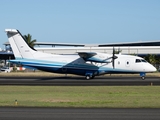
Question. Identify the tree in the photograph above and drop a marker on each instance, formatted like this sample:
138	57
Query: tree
151	59
30	42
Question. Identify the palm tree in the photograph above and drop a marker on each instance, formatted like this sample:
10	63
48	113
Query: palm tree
30	42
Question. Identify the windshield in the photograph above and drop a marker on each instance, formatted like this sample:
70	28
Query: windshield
140	60
143	60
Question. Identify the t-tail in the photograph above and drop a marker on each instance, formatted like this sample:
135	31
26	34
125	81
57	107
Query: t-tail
20	48
18	44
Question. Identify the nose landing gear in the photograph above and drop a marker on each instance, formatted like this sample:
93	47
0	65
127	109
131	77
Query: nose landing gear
143	76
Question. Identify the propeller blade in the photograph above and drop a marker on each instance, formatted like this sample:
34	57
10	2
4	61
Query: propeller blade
113	58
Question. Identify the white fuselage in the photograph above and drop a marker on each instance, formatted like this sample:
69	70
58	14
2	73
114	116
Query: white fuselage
89	64
74	64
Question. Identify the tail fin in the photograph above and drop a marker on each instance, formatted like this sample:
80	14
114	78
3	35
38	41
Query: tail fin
19	46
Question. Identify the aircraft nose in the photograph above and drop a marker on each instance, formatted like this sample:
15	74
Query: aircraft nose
152	68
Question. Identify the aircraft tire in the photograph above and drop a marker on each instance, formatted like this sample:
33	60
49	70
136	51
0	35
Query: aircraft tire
88	77
143	77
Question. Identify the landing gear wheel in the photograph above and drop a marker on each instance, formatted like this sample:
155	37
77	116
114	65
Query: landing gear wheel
143	77
88	77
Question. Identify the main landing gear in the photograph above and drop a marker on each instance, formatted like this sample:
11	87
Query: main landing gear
89	77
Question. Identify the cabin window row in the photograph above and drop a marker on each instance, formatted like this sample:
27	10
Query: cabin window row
137	61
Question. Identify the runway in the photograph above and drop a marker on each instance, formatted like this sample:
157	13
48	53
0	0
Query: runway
50	113
80	81
19	113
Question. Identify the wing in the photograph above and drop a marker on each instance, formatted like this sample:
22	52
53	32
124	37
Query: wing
94	57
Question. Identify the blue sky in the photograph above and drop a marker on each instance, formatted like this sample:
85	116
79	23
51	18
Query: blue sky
82	21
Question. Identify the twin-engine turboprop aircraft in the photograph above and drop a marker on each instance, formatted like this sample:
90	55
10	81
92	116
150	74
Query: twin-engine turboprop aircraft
89	64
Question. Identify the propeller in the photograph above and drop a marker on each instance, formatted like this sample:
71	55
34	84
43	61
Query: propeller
113	58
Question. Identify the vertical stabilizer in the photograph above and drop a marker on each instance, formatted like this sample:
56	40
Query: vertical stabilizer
19	46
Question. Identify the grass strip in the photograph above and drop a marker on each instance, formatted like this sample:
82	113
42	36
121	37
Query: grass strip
81	96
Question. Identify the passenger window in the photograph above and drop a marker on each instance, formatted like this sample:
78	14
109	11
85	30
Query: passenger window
138	60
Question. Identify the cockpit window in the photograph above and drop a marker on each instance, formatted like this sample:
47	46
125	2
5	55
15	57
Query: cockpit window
143	60
138	60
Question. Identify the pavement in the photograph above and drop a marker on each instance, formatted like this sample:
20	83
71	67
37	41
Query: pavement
80	81
23	113
38	113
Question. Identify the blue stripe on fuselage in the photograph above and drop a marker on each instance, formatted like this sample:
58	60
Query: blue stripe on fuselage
62	67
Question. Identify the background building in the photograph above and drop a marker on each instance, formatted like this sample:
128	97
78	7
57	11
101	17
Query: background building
137	48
